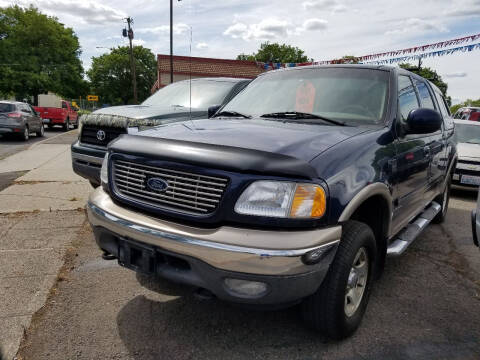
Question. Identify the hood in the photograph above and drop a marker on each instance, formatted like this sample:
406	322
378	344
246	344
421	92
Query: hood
300	140
468	151
140	115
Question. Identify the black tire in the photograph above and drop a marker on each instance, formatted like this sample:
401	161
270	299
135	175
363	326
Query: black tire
41	132
443	199
26	133
66	126
326	310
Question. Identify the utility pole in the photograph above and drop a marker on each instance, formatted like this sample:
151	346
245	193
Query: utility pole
132	60
171	41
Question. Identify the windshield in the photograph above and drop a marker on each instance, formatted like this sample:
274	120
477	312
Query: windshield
6	107
467	133
204	94
353	96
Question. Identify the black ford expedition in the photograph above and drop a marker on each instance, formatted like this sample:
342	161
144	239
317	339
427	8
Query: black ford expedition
297	190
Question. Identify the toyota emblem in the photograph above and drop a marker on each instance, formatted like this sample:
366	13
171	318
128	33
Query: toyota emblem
101	135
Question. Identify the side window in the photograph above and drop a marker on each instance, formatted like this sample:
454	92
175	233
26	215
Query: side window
64	105
442	105
407	98
425	97
25	108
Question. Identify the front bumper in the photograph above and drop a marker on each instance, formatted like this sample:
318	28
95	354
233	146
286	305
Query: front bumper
271	257
87	161
471	169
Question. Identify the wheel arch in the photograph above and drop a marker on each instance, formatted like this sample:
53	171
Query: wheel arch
373	205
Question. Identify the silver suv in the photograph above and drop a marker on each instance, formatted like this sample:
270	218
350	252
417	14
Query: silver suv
19	118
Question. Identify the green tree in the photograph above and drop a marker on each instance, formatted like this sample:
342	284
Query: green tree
468	102
432	76
276	53
37	54
111	77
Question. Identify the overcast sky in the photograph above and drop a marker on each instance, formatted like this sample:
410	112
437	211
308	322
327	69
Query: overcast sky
325	29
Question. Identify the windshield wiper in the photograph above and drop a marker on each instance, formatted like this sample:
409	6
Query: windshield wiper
233	114
301	115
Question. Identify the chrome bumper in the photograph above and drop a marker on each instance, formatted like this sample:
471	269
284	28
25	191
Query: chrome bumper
226	248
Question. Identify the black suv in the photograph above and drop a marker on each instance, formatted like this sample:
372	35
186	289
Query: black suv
169	104
296	191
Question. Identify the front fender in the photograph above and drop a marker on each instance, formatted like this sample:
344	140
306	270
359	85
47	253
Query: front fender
364	194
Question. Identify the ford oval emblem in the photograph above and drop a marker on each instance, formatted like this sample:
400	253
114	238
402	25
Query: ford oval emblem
157	184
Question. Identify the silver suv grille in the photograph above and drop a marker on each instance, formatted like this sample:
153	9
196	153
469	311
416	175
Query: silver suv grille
186	192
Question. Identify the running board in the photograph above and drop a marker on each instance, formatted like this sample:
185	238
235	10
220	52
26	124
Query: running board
410	233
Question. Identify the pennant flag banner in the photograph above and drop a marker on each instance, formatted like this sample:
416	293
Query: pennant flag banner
423	48
465	48
409	54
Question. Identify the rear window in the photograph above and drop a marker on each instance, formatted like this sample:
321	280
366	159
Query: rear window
5	107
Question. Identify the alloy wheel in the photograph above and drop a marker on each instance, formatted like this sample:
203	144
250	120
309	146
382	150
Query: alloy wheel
357	282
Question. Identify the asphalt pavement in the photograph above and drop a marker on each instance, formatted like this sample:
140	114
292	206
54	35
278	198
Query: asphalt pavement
425	306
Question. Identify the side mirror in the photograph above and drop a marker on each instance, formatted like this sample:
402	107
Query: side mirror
213	109
423	121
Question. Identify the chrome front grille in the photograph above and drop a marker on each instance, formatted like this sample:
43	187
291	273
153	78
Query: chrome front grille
186	192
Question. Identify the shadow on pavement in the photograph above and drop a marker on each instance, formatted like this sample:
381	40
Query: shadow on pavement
422	308
464	194
185	328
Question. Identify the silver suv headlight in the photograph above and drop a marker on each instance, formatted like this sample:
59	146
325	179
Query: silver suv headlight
282	199
104	170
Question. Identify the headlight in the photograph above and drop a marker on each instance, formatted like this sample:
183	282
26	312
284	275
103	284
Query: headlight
104	171
282	199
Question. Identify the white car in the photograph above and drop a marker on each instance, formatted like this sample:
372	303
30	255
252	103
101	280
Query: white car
467	171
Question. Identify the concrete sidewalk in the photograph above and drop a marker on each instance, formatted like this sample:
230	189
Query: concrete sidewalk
40	215
50	183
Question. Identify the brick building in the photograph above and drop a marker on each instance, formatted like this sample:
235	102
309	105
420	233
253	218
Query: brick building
183	66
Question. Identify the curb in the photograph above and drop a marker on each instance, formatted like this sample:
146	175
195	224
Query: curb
50	138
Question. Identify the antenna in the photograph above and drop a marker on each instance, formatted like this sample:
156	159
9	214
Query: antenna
190	66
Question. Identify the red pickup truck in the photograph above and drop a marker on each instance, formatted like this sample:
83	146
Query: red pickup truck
65	115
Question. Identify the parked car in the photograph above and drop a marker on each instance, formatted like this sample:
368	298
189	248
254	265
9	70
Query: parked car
169	104
296	191
63	114
468	113
19	118
467	169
